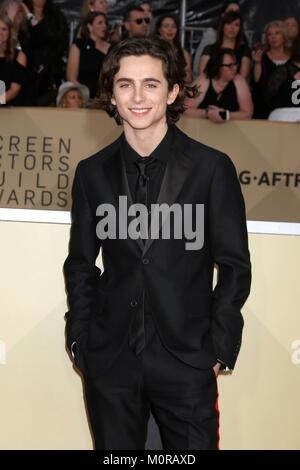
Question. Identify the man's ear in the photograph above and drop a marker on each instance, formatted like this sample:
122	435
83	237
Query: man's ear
172	95
113	101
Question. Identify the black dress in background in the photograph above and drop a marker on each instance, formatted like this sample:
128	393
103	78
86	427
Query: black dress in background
262	105
280	90
45	49
12	72
90	64
227	99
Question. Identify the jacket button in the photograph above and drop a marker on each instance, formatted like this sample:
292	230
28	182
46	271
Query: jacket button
133	303
145	261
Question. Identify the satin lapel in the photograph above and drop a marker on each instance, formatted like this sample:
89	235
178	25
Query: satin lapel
177	169
116	174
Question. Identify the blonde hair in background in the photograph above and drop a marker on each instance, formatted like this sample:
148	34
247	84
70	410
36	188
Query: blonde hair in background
11	41
275	24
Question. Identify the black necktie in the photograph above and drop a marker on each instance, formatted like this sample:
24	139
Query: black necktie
137	332
142	185
141	192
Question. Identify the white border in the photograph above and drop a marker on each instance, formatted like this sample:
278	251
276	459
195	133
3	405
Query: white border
63	217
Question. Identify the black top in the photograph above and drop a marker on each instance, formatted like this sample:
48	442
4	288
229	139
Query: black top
155	172
155	169
227	99
11	72
48	42
242	51
90	64
280	90
260	93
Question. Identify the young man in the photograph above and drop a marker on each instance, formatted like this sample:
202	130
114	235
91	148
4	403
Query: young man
150	333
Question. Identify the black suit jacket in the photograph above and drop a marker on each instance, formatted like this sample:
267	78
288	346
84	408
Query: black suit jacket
196	323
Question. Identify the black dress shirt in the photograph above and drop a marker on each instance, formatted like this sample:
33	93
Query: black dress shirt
155	171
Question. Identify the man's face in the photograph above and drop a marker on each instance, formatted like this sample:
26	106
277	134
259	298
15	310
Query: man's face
140	92
138	24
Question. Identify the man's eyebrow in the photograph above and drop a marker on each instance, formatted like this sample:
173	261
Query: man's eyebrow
130	80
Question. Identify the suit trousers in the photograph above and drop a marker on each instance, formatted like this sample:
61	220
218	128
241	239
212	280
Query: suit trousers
182	399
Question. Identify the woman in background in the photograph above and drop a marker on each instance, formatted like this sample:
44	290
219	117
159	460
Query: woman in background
230	35
282	92
292	29
12	62
273	53
88	52
72	96
88	6
48	44
167	27
222	93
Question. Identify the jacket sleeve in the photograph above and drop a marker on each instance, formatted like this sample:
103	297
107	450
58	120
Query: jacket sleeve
229	245
80	272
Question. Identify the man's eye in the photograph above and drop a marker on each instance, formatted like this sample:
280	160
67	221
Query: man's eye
124	85
150	85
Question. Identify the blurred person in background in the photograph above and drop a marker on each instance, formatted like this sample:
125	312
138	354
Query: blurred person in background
94	5
87	6
282	92
230	35
88	52
17	12
47	46
272	53
292	28
210	35
72	96
136	22
147	8
12	62
167	27
223	94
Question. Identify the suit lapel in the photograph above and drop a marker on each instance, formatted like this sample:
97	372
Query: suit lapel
116	174
177	170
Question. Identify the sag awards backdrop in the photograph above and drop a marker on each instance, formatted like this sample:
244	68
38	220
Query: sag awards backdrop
41	403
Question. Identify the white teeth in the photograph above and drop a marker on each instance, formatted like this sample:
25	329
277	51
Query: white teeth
139	110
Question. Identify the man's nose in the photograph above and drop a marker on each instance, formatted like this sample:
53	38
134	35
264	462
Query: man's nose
138	94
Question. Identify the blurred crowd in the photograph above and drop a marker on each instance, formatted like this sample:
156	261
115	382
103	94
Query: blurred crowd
41	66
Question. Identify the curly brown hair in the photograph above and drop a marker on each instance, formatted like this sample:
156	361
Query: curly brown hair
154	47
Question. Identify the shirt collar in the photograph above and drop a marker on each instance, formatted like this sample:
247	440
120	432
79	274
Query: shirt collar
161	152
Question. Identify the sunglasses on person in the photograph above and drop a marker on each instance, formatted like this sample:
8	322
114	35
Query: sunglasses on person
141	20
232	65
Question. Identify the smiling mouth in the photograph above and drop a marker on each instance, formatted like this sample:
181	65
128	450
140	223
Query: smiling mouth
139	111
